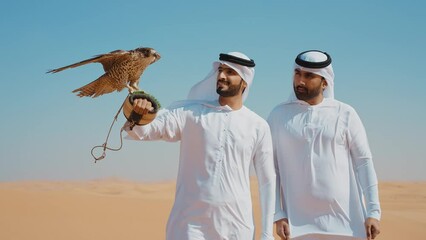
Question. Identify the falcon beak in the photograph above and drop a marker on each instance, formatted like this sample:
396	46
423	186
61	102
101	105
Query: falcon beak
156	56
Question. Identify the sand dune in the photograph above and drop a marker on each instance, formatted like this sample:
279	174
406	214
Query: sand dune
119	209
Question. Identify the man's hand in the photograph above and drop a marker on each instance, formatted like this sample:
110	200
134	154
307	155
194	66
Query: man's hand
142	106
372	226
283	229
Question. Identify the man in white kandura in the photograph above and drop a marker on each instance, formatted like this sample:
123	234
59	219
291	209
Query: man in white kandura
219	139
327	186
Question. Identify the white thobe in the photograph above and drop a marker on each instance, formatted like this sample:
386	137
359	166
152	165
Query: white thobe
218	144
324	170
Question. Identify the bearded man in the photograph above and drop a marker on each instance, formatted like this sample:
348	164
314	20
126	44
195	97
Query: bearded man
219	139
323	161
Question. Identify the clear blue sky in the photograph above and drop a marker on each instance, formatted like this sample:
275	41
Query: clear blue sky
46	132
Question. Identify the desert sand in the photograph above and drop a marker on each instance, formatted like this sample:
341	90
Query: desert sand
120	209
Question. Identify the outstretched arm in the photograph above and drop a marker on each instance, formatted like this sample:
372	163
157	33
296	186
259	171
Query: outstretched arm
164	127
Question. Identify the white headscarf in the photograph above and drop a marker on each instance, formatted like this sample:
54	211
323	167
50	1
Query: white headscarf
206	89
326	72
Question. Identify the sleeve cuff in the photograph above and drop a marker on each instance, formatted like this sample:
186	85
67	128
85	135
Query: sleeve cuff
374	214
280	215
131	135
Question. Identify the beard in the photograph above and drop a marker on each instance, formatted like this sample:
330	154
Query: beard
232	90
306	94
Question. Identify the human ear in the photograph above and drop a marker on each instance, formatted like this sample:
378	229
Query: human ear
324	83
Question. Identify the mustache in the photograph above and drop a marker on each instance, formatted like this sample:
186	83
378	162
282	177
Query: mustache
223	81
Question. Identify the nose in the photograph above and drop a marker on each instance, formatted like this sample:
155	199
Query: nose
299	81
221	75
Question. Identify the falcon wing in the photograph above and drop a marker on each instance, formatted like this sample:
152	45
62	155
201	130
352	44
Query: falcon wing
107	60
104	84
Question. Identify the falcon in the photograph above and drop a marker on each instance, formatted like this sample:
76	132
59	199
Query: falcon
123	69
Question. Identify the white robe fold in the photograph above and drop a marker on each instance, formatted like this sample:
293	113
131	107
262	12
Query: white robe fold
325	170
213	199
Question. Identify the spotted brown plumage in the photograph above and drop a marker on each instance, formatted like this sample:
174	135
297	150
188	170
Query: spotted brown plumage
123	69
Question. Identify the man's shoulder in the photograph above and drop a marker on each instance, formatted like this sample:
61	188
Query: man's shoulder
283	107
253	116
343	106
185	104
286	107
191	106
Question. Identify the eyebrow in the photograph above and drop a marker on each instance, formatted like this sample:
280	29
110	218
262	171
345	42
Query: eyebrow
224	67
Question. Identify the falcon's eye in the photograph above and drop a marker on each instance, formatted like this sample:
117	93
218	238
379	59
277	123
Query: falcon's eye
147	52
